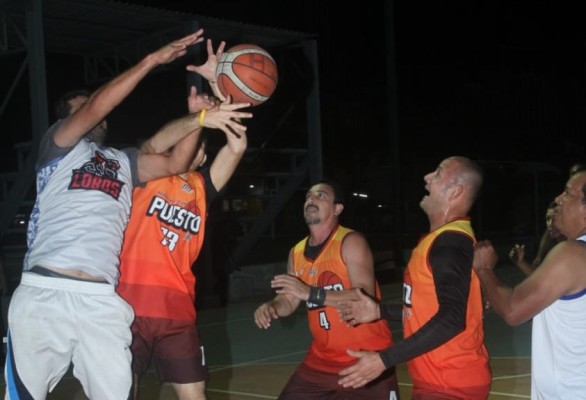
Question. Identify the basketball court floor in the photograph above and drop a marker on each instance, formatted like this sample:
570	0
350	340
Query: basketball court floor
247	363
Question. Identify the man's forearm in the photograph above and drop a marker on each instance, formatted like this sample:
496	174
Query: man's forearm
183	153
391	311
171	134
497	294
284	306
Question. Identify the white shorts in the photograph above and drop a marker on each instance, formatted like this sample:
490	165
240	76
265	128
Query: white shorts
53	322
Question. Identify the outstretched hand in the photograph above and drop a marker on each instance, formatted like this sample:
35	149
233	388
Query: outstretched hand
517	253
176	49
227	118
208	69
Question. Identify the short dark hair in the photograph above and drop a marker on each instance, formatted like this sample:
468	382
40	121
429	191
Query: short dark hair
62	106
339	195
472	173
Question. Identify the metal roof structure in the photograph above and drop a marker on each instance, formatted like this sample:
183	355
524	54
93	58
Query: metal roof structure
92	27
110	36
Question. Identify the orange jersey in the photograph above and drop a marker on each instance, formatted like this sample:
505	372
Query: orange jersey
163	238
463	361
332	337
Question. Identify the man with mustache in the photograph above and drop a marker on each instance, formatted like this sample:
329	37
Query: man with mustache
65	309
554	296
323	269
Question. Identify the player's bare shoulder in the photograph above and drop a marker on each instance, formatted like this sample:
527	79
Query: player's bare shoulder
570	256
354	238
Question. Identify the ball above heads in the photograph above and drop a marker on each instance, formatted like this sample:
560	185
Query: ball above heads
248	73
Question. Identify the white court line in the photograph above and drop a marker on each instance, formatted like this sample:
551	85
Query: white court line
254	395
500	378
260	360
511	357
260	396
229	321
518	396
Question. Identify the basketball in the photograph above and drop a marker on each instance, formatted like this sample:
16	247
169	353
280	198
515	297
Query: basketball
327	278
248	73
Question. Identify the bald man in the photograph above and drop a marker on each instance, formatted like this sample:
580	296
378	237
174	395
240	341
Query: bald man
442	308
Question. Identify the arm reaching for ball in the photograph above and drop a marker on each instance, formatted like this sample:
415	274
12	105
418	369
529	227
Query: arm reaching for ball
208	69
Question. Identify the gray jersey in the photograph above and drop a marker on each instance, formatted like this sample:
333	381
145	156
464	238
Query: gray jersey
82	207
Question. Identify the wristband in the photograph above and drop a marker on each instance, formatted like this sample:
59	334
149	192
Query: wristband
202	115
317	296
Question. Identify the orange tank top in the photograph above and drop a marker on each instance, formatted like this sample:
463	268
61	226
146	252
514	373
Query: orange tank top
463	361
163	238
331	337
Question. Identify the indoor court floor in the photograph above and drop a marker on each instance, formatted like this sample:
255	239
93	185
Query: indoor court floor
247	363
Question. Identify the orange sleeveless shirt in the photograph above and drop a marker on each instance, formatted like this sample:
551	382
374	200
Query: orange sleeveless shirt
463	361
331	337
163	238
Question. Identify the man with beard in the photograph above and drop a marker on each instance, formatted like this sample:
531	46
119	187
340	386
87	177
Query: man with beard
65	309
322	269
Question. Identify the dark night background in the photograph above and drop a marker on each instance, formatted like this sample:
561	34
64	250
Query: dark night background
499	80
502	82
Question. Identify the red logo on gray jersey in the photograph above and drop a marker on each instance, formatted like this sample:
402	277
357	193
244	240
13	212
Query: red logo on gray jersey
100	173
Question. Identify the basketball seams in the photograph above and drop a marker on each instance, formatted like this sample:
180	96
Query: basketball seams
248	72
245	89
232	55
229	72
223	67
255	69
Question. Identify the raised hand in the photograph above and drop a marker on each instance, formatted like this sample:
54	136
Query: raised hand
517	253
197	102
208	69
176	49
227	118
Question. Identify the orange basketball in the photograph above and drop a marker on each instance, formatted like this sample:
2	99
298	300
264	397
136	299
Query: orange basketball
248	73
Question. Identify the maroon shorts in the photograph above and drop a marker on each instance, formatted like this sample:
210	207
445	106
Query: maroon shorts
422	391
309	384
173	346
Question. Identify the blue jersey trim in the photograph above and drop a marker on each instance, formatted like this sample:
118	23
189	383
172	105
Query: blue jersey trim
574	296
